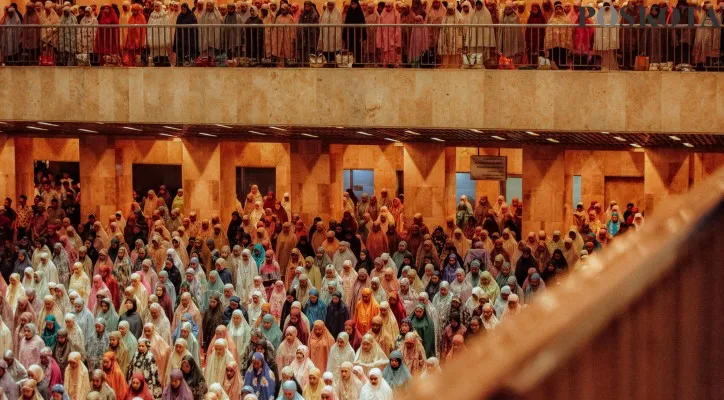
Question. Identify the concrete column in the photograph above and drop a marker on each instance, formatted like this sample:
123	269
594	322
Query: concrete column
97	176
7	167
543	188
666	173
201	178
425	178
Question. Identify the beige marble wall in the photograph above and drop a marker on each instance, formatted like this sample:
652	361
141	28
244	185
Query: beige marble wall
7	167
385	160
248	154
312	178
97	176
666	172
129	152
425	178
28	149
705	164
370	97
201	177
594	166
543	188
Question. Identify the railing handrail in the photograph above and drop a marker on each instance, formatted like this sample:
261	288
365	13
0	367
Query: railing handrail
190	26
552	334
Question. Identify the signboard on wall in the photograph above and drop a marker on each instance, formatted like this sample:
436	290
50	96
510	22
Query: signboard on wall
488	168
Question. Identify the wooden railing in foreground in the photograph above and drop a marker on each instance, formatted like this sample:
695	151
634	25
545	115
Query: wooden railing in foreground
644	320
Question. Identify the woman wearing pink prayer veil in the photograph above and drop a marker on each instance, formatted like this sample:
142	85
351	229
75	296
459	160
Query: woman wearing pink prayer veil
97	286
389	39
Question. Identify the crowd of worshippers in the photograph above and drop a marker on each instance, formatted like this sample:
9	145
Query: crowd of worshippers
156	305
97	37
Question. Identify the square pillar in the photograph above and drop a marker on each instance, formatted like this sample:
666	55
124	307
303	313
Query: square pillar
314	179
666	172
425	182
201	177
7	167
543	189
97	177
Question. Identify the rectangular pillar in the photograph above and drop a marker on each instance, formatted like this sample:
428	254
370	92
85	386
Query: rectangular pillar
314	181
425	175
97	176
200	171
666	173
543	188
7	167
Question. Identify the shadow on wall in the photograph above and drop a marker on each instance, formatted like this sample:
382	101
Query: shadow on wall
150	176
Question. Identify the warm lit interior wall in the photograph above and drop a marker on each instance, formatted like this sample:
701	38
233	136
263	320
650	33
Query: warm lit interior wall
490	99
312	172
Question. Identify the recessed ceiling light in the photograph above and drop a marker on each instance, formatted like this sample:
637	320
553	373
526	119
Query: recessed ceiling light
339	127
550	139
4	123
675	138
497	137
635	145
605	133
224	126
364	133
688	144
166	134
437	139
412	133
619	138
476	131
47	124
130	128
309	135
36	128
532	133
277	128
87	130
391	139
258	133
206	134
100	123
173	128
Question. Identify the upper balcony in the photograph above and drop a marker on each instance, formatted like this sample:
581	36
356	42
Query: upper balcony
267	79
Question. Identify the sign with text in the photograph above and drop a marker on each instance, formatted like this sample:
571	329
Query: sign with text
488	168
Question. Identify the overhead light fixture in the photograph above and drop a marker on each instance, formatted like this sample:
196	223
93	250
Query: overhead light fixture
437	139
688	144
130	128
224	126
497	137
4	123
309	135
635	145
166	134
206	134
364	133
258	133
550	139
391	139
604	132
100	123
339	127
678	139
36	128
619	138
277	128
46	124
412	133
532	133
173	128
87	130
476	131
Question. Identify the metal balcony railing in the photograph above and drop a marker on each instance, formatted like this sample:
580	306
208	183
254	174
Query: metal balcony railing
498	46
